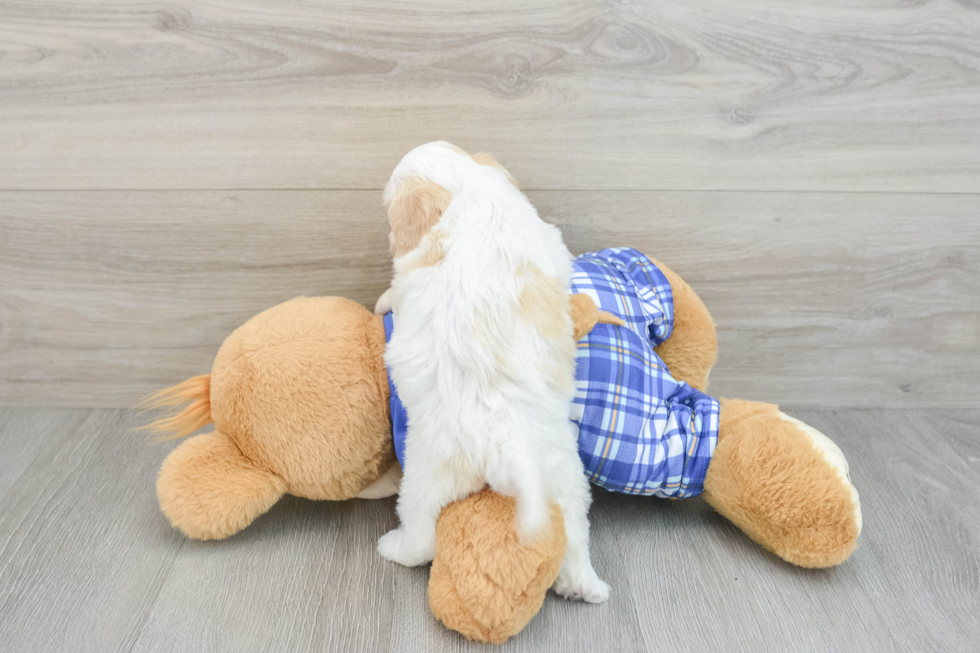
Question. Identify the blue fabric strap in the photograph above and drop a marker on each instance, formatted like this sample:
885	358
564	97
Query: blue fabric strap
399	417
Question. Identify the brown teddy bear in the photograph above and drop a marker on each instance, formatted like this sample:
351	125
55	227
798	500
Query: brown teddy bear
300	400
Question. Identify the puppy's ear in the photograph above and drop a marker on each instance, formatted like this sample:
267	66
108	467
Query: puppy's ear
416	206
487	159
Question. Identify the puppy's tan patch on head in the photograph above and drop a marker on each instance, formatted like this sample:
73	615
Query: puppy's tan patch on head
434	251
458	150
414	210
543	303
487	159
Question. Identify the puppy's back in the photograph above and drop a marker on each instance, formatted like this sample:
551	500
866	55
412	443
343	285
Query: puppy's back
488	287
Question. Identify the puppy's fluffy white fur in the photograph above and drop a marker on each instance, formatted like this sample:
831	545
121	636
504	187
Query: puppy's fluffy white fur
483	358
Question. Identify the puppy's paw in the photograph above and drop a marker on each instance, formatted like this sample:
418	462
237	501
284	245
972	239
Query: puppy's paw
384	303
585	586
396	546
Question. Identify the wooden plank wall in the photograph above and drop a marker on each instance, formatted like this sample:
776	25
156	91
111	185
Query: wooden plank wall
813	169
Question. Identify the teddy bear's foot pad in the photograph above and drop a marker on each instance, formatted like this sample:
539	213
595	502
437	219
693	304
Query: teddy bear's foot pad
784	483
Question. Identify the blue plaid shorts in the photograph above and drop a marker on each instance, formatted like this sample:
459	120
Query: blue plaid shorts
640	431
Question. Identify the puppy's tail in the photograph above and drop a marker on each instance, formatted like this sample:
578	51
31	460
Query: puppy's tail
512	472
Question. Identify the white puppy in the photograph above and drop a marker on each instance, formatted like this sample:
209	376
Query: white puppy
482	356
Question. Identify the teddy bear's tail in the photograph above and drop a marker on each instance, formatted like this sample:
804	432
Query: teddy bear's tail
207	488
197	391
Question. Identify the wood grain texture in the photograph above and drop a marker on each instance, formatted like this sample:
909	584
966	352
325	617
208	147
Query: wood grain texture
326	94
88	563
910	469
24	434
82	551
833	299
101	290
920	505
305	577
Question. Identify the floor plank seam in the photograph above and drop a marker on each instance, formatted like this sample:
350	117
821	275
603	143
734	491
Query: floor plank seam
156	597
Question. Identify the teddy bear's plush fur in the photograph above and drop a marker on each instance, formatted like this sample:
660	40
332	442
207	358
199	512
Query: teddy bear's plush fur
484	583
299	400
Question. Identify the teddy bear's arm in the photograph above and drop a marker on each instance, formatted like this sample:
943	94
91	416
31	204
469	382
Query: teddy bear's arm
585	315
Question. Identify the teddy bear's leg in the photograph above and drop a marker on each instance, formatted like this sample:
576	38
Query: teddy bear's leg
210	491
692	347
484	582
784	483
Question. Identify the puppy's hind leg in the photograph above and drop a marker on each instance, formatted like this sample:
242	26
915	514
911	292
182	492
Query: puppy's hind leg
424	493
570	490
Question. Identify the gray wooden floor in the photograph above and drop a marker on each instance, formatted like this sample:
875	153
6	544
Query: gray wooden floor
88	563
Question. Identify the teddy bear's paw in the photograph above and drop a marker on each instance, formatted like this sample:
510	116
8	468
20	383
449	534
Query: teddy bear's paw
586	586
397	546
